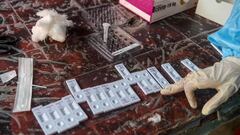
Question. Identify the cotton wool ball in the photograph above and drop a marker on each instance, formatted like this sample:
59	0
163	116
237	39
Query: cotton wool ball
51	24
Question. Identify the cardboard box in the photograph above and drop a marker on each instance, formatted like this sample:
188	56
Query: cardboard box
215	11
154	10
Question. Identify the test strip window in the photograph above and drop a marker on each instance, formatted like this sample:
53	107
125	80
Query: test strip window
122	70
44	121
76	91
76	110
73	85
147	83
190	65
158	77
171	72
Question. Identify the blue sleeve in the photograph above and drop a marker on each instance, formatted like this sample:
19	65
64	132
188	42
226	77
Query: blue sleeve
227	39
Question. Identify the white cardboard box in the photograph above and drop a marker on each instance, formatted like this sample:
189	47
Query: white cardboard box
154	10
214	10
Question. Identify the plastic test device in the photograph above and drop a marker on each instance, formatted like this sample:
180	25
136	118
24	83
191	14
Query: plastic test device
97	100
59	116
144	80
76	91
124	93
171	72
106	97
191	66
64	114
158	77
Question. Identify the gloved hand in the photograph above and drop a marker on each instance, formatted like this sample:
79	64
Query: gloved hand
223	76
51	24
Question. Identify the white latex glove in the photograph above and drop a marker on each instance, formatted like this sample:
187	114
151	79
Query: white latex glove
223	76
56	28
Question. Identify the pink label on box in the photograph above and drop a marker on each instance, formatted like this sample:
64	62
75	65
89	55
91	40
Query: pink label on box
144	5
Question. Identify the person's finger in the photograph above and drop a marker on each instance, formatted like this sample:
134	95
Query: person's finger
173	88
197	80
222	96
201	79
179	86
189	89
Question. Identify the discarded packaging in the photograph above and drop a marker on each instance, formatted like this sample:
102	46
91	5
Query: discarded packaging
8	76
24	88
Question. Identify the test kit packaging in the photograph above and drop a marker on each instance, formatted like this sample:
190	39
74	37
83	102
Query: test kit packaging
154	10
212	10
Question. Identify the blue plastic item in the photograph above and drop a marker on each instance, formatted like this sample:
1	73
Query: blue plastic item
227	39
